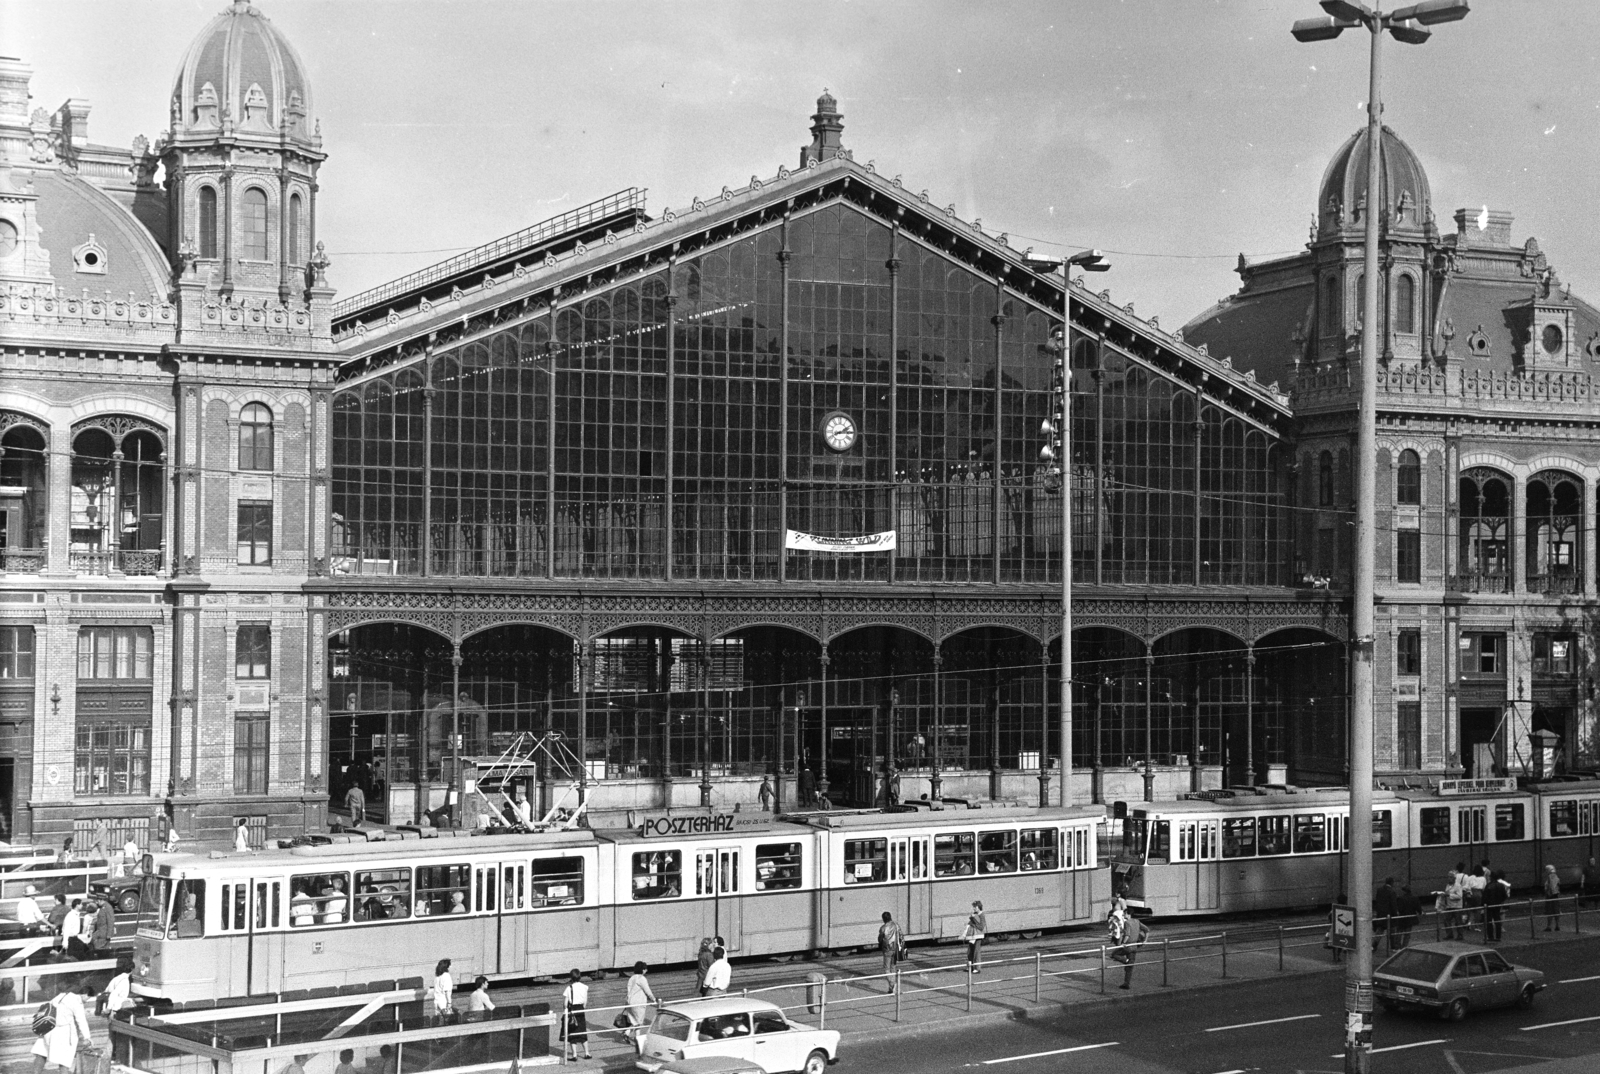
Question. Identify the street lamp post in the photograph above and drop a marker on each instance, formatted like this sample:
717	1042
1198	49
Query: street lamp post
1407	25
1057	457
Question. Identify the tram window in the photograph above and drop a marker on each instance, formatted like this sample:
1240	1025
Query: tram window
866	861
383	894
1040	849
442	889
1471	824
559	881
1382	829
269	909
1435	826
997	851
318	899
1238	837
1508	821
1563	818
1133	836
188	910
1274	835
1310	833
777	866
658	874
234	900
952	854
1588	817
1160	840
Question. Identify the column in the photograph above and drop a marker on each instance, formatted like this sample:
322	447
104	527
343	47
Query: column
784	257
669	502
936	761
1587	529
822	712
1149	723
1249	718
1518	551
893	265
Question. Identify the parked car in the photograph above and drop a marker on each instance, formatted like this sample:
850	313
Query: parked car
122	891
1453	978
735	1027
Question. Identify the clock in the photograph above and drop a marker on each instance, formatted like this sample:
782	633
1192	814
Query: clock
838	431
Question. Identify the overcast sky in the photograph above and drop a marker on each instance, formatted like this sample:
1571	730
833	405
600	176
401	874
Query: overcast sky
1174	135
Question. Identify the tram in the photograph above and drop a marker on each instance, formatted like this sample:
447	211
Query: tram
510	906
1277	848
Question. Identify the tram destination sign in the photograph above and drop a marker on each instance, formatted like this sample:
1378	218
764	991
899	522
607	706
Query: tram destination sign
668	826
1498	785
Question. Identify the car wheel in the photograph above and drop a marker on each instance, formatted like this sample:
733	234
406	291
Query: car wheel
129	902
1456	1011
1525	997
816	1062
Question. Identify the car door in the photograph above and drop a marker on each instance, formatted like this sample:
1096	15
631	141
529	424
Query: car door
725	1034
1500	978
1480	987
775	1043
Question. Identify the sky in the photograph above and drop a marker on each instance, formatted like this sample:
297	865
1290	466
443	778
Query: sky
1172	134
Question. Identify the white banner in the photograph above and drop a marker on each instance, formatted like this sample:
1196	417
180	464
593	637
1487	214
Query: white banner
810	542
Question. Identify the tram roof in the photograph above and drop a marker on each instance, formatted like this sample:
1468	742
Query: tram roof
923	818
1303	798
1566	786
443	847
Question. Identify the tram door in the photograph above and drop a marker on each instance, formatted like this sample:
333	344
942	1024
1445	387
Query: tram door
485	899
513	923
265	967
717	875
1196	841
908	865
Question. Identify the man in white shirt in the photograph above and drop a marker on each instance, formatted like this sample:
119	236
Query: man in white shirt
719	975
116	993
29	916
522	809
72	928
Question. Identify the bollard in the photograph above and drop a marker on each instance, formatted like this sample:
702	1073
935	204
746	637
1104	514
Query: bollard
1102	969
1280	948
897	987
1038	966
1164	948
1224	955
815	982
822	1017
969	986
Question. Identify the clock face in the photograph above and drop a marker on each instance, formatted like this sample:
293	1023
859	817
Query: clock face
839	431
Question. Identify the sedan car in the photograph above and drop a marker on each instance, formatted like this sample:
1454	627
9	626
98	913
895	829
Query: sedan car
1453	978
735	1027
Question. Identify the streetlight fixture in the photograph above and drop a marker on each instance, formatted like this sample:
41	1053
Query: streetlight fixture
1407	25
1056	454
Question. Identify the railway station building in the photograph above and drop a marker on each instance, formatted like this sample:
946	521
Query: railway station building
745	487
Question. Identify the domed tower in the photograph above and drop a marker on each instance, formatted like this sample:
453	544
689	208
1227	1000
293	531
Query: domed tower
1406	229
827	128
241	164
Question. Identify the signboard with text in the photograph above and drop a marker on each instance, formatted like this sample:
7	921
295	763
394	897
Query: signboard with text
1498	785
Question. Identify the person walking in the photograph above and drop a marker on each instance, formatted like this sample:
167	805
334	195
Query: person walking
720	975
641	997
764	794
116	995
1407	912
59	1046
479	1004
57	916
574	1022
72	932
355	801
705	959
807	787
444	992
105	926
1552	897
1448	904
1383	904
973	934
1128	934
891	947
241	836
1495	895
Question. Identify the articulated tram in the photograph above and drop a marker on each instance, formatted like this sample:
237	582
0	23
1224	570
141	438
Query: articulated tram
1278	850
512	906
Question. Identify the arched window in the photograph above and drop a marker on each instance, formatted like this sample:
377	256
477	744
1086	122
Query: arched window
1405	304
253	225
1484	551
1408	478
1330	306
1325	479
255	437
296	245
207	225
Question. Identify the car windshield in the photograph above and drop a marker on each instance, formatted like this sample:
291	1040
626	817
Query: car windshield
670	1025
1416	965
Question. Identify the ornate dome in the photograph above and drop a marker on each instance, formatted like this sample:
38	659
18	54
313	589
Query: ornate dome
243	75
1407	200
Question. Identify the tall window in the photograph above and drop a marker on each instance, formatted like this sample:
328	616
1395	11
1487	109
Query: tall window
255	437
1408	737
250	753
112	755
1408	478
112	758
1325	479
114	653
1554	654
16	652
1408	556
1330	306
1481	654
253	225
1405	304
296	238
253	652
255	533
207	224
1408	653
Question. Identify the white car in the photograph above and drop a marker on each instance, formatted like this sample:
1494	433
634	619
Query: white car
738	1027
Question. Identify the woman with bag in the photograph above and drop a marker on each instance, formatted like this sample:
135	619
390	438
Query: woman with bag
641	997
68	1030
444	992
574	1022
972	935
891	947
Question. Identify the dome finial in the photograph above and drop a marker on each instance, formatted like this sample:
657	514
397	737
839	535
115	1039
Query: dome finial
827	125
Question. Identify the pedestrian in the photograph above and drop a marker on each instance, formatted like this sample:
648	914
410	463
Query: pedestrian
355	801
521	807
891	947
720	974
808	787
1448	905
764	794
1128	934
705	959
68	849
479	1004
1473	883
116	995
241	835
574	1023
1494	906
105	927
347	1062
444	992
59	1046
973	934
1407	911
640	997
1552	898
1383	903
1589	882
57	915
72	931
31	919
130	853
172	839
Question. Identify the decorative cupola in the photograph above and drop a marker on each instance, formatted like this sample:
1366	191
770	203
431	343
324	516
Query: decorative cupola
827	126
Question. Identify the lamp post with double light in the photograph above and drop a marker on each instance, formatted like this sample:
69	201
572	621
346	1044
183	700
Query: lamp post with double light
1056	454
1409	26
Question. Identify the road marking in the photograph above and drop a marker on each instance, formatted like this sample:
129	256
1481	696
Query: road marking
1268	1022
1568	1022
1041	1055
1398	1047
1579	980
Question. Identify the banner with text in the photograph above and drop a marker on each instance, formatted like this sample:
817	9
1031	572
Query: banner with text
810	542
